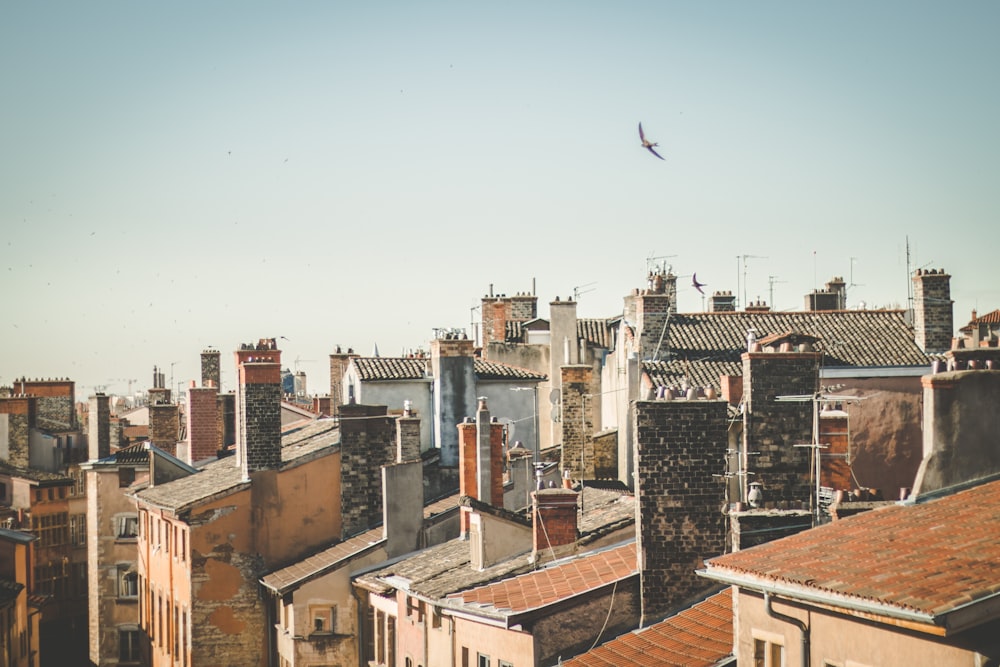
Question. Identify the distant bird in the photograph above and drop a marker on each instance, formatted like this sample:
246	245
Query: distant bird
697	285
648	145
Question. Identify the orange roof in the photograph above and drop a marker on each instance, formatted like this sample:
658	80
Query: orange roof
921	561
559	581
699	636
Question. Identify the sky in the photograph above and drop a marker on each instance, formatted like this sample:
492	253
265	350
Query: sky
187	175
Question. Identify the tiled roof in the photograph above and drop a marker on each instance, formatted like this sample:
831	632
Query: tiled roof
595	331
308	568
390	368
224	476
373	369
699	636
928	559
695	373
861	338
559	581
41	477
492	370
992	317
443	569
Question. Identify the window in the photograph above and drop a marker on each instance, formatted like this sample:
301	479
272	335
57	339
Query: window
128	581
128	644
482	660
125	477
323	619
52	529
78	530
504	663
126	526
768	652
465	656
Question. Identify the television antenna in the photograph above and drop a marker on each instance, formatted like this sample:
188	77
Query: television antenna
741	266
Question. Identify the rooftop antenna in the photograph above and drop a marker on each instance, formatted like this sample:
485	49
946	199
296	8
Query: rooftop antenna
743	259
578	290
850	281
472	325
651	262
771	280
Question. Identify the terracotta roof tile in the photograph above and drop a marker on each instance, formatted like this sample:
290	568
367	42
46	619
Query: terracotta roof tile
700	636
929	558
492	370
559	581
374	369
309	568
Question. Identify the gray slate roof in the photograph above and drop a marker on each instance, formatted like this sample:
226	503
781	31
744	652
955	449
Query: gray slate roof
223	476
374	369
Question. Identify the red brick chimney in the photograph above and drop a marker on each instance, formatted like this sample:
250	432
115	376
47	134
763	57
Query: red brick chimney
203	440
554	519
481	459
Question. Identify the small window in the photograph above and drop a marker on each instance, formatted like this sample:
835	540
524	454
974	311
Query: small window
127	527
128	582
128	645
323	619
504	663
482	660
125	477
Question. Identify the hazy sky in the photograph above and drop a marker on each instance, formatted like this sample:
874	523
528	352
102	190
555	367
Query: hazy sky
181	175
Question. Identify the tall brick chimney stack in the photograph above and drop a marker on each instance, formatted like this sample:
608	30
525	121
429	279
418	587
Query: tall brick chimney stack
258	406
650	309
933	325
407	436
203	434
578	415
211	373
454	390
99	427
554	520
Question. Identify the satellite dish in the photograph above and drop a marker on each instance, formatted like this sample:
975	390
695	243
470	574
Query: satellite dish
554	396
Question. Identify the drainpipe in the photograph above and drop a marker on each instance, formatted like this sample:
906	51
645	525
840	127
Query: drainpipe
794	621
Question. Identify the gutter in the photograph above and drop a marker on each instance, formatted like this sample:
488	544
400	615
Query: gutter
803	628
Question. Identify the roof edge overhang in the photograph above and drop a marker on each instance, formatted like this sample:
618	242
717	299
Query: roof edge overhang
332	567
834	372
951	622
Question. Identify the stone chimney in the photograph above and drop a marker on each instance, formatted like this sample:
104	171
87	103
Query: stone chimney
367	442
339	362
722	302
164	426
960	427
203	435
772	428
407	436
578	412
932	310
554	523
99	427
20	410
481	459
649	311
258	407
454	391
680	446
211	371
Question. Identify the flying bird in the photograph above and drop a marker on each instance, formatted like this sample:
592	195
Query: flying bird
697	285
648	145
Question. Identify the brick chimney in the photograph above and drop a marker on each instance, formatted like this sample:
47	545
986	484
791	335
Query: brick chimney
20	411
454	390
407	436
367	442
164	426
481	459
258	407
403	490
554	522
722	302
578	413
99	427
932	310
649	311
211	373
203	436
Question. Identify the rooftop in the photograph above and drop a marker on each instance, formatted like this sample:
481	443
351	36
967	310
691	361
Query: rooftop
374	369
921	561
699	636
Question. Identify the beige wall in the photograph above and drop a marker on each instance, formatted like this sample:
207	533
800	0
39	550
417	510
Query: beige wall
513	646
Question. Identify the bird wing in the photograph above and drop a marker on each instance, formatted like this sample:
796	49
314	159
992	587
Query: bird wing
641	133
650	149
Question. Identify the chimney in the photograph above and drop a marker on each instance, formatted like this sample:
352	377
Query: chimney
481	459
932	310
649	311
211	374
454	391
554	522
732	388
339	362
577	424
722	302
99	427
21	411
258	406
367	442
164	426
407	436
202	422
402	506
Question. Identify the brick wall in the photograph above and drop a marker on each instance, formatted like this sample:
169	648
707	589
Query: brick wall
577	421
164	426
203	423
773	428
652	311
932	310
20	411
339	361
474	443
407	439
554	520
99	427
367	442
260	415
54	408
679	446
